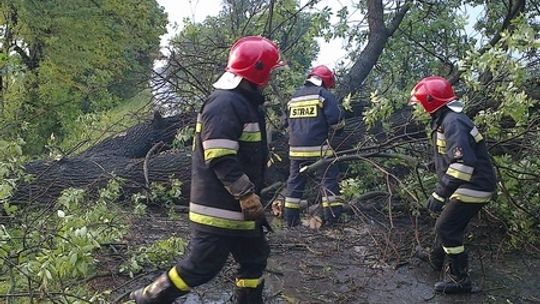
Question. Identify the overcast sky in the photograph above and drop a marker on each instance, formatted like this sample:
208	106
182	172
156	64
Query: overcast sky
330	53
197	10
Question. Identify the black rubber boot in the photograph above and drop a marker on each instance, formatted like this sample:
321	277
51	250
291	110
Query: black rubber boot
291	216
246	295
161	291
434	257
457	280
332	215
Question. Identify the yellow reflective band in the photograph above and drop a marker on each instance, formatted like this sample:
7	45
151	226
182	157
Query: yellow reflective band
313	102
469	199
332	204
454	250
476	135
216	212
214	153
248	283
221	222
440	135
471	196
307	97
310	153
438	197
292	205
331	198
250	136
251	127
178	282
458	174
198	127
293	200
462	167
441	142
478	138
220	143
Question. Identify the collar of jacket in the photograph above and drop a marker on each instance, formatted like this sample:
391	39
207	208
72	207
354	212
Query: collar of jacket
251	93
438	116
315	81
311	84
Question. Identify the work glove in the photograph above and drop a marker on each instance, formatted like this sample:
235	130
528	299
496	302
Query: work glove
435	203
291	216
277	208
252	207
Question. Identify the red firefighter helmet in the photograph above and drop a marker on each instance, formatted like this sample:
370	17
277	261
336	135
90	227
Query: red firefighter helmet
325	74
432	93
253	58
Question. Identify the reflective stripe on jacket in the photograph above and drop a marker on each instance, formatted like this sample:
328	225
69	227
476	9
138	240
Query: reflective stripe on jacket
311	113
229	144
462	162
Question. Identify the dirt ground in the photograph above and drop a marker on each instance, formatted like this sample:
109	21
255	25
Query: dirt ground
367	259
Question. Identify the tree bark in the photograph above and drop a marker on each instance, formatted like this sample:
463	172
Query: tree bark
378	35
122	156
131	158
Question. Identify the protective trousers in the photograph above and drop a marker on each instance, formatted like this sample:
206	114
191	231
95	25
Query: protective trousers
209	252
450	228
330	194
451	224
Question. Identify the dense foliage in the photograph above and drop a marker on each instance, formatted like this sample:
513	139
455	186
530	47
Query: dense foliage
498	83
198	54
488	49
62	59
47	252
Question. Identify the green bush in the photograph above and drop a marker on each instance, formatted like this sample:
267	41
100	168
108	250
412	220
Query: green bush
49	248
160	254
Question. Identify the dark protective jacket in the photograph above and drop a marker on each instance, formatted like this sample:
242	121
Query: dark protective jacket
312	113
462	162
229	158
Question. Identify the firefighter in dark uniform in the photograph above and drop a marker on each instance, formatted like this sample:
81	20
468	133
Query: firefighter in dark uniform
466	178
313	113
229	158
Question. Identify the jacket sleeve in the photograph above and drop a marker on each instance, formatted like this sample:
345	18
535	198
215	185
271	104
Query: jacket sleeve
221	129
461	155
332	111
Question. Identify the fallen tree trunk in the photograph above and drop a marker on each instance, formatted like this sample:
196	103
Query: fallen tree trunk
142	155
93	173
125	156
138	140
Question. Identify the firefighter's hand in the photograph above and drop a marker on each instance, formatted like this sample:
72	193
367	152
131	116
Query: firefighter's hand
277	208
434	205
252	207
